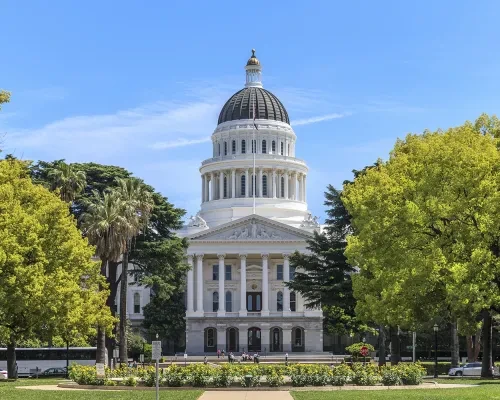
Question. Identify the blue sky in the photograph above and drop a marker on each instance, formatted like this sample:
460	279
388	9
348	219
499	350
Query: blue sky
127	82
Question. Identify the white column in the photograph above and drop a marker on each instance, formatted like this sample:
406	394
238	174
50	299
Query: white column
300	187
294	186
265	286
212	183
233	183
243	286
222	297
202	188
286	185
190	288
274	183
221	185
199	284
259	184
286	278
205	188
305	189
247	183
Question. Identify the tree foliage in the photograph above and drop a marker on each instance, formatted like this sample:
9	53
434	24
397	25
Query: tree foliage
427	240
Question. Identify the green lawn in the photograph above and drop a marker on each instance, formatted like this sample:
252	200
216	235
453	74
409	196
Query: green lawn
8	391
485	392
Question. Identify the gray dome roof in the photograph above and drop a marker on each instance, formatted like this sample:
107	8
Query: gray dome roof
240	106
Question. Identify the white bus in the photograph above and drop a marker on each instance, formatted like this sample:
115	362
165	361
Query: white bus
31	360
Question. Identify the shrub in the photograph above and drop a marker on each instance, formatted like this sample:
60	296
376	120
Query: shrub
368	375
341	375
299	375
252	370
130	381
411	374
355	349
224	376
199	375
275	378
390	377
85	375
174	376
109	382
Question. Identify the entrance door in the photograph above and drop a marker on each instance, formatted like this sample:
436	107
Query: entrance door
254	339
254	301
232	339
276	340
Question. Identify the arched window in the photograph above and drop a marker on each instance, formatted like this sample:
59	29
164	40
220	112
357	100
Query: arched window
243	184
279	302
210	337
264	147
137	303
243	146
282	189
273	147
293	301
298	337
233	147
229	302
219	149
225	148
225	186
215	302
264	185
281	148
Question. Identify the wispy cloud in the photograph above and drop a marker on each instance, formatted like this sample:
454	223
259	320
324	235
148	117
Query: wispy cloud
319	118
178	143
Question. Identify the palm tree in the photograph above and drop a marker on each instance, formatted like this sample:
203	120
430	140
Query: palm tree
103	224
136	203
67	180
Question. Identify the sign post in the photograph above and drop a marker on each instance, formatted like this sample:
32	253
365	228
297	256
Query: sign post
364	353
141	359
156	355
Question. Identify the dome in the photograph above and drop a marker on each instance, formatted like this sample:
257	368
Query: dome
240	106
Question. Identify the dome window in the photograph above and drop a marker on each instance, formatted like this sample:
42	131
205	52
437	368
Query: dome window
225	187
281	148
243	185
273	147
243	146
225	148
233	147
282	189
264	186
264	147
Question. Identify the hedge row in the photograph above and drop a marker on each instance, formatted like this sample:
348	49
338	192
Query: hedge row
201	375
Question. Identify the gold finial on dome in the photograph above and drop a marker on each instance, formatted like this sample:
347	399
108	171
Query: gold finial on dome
253	60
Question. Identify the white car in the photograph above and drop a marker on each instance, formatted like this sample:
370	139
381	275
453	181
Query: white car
3	374
469	369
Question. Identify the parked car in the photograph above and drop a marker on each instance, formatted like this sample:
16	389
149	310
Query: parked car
469	369
3	374
51	372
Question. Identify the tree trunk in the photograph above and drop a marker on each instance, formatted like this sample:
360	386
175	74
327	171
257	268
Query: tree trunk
455	347
11	359
381	349
395	346
101	334
486	371
110	302
477	344
123	309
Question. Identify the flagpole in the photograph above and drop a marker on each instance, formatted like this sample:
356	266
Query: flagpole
254	148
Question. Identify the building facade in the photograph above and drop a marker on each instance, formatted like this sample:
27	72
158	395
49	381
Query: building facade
253	216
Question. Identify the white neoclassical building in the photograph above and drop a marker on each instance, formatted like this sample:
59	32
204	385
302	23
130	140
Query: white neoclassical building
253	216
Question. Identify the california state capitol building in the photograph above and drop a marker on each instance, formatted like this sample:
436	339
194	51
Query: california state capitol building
253	216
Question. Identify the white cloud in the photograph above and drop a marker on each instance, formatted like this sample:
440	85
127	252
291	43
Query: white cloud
320	118
179	143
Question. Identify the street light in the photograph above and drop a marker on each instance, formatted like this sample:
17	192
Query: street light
436	350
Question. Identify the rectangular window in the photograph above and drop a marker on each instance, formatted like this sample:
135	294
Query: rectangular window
243	147
254	146
281	148
225	148
228	273
279	272
233	146
292	273
137	308
215	272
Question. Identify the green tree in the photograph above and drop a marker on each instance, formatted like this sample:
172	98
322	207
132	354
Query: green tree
426	236
4	97
45	264
67	180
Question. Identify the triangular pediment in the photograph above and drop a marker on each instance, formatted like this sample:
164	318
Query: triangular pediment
250	229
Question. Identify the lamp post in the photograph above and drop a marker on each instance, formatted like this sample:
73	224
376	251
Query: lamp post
436	350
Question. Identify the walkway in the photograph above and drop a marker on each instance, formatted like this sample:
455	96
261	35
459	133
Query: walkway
246	395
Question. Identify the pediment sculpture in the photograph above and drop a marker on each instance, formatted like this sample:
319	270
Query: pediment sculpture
197	222
310	221
253	231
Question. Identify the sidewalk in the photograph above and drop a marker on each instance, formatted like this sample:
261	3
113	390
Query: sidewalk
246	395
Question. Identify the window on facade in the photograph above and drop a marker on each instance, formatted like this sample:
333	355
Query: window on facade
233	146
264	147
243	184
257	302
273	147
225	186
279	272
254	146
215	302
210	337
288	149
219	149
293	301
249	302
281	148
137	303
215	272
252	188
229	302
298	337
282	188
279	302
243	146
292	273
264	185
228	273
225	148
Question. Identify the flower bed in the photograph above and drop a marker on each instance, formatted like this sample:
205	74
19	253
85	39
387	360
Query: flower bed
201	375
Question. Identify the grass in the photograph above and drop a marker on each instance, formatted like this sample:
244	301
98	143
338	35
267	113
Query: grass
8	391
485	392
467	381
